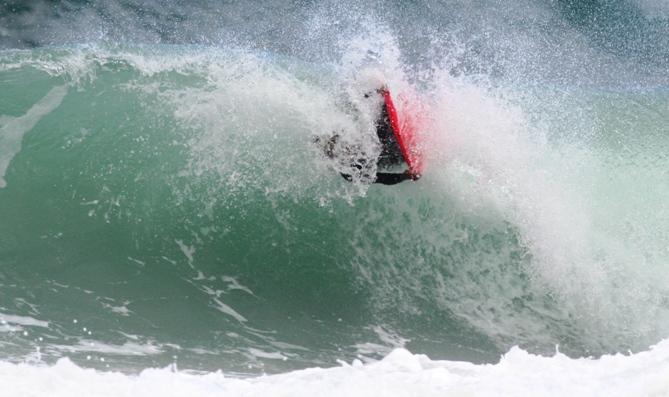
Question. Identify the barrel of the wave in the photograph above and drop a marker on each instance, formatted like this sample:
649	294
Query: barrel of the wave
407	121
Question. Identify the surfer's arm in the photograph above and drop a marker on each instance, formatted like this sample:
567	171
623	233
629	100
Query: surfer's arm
383	178
386	178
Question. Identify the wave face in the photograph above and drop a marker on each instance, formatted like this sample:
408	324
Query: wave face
162	200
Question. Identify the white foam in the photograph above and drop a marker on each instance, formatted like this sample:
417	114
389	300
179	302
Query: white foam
10	328
222	307
495	163
12	129
187	250
120	309
126	349
22	320
399	374
264	354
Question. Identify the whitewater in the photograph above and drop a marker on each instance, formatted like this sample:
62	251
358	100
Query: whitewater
168	225
399	374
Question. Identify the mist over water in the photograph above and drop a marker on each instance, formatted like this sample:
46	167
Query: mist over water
162	200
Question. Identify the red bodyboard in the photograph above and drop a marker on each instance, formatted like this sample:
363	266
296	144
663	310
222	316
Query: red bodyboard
406	125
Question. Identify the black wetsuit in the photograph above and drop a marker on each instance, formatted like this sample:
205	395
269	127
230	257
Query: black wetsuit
391	153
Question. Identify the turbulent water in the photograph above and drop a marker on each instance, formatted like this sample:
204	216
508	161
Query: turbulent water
162	201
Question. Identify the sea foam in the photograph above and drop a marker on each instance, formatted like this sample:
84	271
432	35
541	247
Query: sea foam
401	373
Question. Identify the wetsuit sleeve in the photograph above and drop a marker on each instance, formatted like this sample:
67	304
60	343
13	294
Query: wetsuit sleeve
383	178
391	179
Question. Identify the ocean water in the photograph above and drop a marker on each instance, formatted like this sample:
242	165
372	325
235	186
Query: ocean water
169	227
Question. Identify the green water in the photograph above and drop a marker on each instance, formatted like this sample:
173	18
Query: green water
163	206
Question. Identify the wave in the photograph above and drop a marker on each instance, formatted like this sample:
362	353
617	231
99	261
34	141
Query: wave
162	201
171	197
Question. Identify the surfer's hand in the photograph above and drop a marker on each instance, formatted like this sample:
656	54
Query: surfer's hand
414	176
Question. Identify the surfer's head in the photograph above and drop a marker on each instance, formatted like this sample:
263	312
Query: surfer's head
380	90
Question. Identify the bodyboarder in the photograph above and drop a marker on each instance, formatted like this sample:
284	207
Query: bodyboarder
391	154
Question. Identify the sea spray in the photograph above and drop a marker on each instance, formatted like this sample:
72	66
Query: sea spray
164	202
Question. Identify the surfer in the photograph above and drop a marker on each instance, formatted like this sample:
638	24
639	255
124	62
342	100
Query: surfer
391	154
